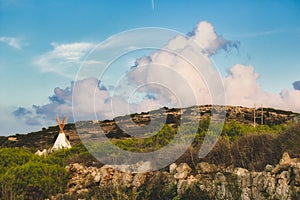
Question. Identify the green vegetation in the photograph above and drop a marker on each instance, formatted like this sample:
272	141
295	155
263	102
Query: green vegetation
149	144
23	175
36	180
240	145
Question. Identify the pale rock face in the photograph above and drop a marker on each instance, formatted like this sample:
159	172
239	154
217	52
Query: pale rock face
172	168
183	170
139	179
181	175
269	168
183	167
134	168
219	183
285	158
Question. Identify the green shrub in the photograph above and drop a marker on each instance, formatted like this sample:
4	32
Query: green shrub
34	180
10	157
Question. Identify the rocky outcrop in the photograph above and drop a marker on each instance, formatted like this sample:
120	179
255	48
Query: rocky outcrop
275	182
118	127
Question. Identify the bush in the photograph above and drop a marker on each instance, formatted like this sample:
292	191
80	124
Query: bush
24	175
10	157
221	153
34	180
149	144
251	151
255	151
290	140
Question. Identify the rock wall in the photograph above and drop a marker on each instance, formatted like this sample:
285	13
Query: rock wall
207	181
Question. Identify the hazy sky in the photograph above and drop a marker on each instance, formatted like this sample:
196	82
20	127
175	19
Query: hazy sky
42	44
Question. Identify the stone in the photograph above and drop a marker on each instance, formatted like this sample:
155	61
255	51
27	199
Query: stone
139	179
172	168
285	158
117	178
182	185
243	177
183	167
216	182
191	180
241	172
183	171
246	193
85	190
127	179
220	177
181	175
296	172
206	168
97	178
269	168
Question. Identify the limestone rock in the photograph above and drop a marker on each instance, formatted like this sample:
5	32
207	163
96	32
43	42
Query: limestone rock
172	168
217	183
285	158
183	171
206	168
269	168
139	179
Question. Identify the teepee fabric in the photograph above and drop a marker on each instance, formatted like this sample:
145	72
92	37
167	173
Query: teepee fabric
61	140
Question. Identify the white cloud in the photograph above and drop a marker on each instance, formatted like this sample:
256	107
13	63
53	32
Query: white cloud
12	41
204	34
89	99
10	124
178	75
64	59
183	67
242	89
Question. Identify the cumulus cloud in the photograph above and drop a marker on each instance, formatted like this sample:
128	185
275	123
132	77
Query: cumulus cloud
21	111
64	59
60	104
296	85
12	41
11	124
205	35
90	98
183	68
180	74
27	116
242	89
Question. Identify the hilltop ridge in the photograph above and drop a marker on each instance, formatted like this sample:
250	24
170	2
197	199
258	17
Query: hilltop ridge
172	116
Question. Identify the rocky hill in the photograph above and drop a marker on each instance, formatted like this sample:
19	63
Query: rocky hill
117	127
244	163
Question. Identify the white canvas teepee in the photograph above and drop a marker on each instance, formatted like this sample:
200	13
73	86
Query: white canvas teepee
61	140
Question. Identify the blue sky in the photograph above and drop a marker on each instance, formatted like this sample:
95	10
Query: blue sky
268	33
